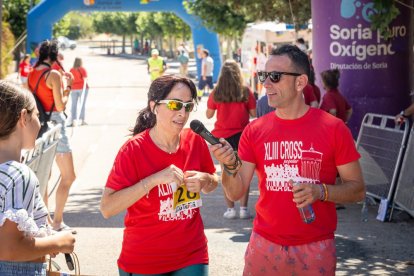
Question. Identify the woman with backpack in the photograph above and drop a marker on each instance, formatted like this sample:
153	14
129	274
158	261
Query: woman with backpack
48	85
79	91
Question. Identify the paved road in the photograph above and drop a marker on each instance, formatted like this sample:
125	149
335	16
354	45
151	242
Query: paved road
118	90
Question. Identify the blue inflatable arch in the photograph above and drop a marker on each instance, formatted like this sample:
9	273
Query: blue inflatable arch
41	18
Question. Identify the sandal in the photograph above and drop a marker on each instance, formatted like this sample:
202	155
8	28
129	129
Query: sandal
64	227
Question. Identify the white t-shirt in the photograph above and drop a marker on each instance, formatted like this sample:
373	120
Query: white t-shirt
209	62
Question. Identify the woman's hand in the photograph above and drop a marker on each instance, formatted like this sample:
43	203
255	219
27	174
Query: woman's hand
170	174
195	181
223	152
66	241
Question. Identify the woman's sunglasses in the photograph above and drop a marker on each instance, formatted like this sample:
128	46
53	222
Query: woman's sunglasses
176	105
274	75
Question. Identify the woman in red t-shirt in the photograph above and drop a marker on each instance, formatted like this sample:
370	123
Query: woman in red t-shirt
24	70
234	103
79	91
157	177
333	101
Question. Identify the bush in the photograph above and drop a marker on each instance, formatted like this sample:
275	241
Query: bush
7	43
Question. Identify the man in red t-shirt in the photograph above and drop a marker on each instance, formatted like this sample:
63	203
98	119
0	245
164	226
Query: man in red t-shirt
286	147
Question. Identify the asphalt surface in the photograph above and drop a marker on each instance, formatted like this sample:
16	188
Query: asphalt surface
118	88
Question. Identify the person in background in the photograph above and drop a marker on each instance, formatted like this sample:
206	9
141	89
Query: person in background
259	62
309	96
235	104
25	237
183	59
287	146
79	91
300	43
316	90
333	102
263	106
161	164
207	67
54	98
404	114
156	65
24	70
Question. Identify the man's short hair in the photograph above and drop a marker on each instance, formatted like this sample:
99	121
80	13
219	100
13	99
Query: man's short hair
299	59
205	51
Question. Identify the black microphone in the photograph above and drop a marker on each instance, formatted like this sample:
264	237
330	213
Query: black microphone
201	130
69	261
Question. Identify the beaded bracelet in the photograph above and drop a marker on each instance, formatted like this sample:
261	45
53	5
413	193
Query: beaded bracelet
322	192
234	168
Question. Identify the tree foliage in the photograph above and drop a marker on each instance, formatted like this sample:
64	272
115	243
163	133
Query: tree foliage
7	43
386	13
225	16
219	17
15	13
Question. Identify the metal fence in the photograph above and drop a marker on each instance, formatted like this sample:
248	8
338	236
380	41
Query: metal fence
381	145
404	194
40	158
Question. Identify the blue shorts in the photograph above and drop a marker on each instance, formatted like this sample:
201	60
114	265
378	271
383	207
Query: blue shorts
22	269
63	144
208	81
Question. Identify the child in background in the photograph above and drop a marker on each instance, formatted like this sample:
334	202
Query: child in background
25	237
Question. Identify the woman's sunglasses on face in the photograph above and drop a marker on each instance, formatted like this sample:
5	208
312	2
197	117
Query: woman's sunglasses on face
176	105
274	75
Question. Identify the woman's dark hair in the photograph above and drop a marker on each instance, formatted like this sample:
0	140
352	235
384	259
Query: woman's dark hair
48	49
330	78
230	86
13	99
159	90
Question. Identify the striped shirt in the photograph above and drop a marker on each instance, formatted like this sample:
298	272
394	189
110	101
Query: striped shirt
20	200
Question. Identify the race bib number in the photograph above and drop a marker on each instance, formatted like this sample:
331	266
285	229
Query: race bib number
185	200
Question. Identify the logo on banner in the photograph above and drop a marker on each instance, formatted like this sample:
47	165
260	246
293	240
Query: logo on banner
89	2
349	10
359	41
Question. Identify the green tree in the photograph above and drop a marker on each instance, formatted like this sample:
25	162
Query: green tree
148	27
221	18
7	43
15	13
173	27
119	23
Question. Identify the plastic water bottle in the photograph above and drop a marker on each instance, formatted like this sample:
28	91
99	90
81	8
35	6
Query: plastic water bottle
307	213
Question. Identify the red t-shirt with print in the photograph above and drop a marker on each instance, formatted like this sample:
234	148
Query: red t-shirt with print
308	150
25	69
155	240
334	100
231	117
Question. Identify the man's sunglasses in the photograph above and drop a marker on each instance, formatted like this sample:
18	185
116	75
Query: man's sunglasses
176	105
274	75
